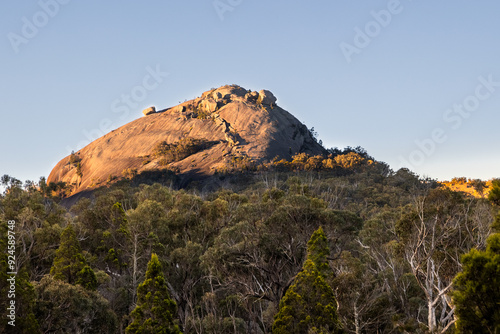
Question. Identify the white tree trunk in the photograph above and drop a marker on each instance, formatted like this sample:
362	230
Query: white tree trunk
431	318
134	271
356	318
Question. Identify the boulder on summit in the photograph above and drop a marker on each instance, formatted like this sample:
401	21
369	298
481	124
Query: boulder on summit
149	111
266	98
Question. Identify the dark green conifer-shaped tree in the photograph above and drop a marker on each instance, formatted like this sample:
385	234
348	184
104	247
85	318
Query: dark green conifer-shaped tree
318	251
155	308
69	264
476	294
309	305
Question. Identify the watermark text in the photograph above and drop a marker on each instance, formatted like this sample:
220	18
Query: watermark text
11	273
223	6
371	30
32	26
453	118
123	105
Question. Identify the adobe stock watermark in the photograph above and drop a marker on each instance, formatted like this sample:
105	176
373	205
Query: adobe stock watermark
123	105
32	26
223	6
11	272
371	30
454	118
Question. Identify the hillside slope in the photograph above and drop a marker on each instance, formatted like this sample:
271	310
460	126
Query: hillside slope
197	137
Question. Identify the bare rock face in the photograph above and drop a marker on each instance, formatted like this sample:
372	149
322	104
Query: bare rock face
266	97
230	121
149	111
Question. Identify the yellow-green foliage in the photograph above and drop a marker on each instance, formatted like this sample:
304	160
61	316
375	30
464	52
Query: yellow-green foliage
350	161
474	187
238	163
242	163
74	159
79	169
179	150
202	114
129	173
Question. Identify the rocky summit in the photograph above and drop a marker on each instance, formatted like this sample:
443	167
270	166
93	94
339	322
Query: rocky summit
197	137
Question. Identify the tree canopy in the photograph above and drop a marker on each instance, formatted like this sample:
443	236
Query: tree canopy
155	311
476	292
309	304
69	264
239	249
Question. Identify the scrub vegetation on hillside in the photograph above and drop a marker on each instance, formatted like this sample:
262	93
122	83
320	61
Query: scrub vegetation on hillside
318	244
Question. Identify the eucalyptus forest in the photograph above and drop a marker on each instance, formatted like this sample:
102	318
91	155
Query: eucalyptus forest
291	247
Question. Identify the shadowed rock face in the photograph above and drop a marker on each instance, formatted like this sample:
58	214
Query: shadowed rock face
232	121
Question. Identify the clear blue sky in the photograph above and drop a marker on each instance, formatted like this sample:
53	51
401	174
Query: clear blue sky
380	74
